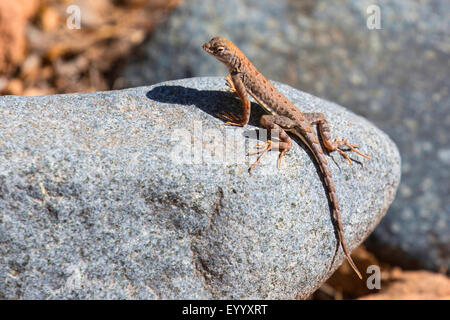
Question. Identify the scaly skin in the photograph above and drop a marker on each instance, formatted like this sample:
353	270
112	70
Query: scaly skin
284	117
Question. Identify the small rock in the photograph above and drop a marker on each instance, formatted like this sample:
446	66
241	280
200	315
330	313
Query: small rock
15	87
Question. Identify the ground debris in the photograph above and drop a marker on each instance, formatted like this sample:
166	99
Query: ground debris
49	57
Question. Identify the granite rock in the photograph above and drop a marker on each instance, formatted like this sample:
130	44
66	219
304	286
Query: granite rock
395	76
144	194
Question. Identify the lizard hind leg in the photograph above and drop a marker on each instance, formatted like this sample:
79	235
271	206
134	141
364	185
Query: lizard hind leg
277	124
324	131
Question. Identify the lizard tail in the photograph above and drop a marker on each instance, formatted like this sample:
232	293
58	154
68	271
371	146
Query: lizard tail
331	191
338	218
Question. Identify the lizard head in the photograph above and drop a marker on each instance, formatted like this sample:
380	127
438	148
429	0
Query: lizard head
222	49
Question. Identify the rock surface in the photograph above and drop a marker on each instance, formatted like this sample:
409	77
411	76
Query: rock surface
127	195
396	76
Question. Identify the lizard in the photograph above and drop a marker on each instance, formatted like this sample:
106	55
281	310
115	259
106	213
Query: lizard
283	116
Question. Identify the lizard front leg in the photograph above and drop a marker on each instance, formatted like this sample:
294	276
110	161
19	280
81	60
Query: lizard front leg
237	86
275	123
324	131
230	83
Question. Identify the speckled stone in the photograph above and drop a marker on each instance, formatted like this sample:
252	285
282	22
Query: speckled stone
396	76
127	195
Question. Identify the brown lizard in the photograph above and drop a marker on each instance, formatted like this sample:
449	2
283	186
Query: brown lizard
283	117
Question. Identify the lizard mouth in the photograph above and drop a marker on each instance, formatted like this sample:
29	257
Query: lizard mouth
207	47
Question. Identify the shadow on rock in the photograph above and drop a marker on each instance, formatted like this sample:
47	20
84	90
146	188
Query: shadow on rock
209	101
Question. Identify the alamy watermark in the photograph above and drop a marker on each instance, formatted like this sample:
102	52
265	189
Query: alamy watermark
74	19
374	280
374	17
198	145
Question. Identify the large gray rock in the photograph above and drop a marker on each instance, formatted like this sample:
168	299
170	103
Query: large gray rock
396	76
101	196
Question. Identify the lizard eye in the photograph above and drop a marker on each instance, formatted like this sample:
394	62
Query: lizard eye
220	49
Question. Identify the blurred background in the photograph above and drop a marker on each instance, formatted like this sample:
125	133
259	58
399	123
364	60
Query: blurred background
388	61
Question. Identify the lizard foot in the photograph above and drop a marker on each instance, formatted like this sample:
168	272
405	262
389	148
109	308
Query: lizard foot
230	119
262	151
338	143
